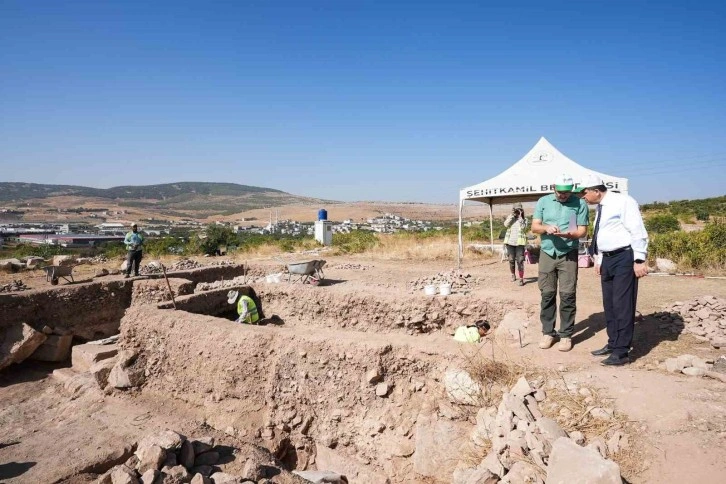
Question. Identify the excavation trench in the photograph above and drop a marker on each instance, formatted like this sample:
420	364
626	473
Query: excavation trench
353	382
339	380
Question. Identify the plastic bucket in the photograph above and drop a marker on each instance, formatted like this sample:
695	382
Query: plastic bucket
445	289
430	290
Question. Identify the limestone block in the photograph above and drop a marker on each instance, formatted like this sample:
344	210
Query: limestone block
18	342
571	464
101	370
83	356
54	348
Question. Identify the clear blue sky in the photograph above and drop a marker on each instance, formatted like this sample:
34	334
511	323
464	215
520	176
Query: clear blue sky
348	100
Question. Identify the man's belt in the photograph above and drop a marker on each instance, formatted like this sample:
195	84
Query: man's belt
610	253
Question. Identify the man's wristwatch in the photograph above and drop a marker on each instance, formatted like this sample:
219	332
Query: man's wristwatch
639	261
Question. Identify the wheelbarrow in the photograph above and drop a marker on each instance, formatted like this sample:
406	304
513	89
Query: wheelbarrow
310	272
53	273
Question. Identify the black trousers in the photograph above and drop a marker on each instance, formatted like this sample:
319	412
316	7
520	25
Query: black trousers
620	296
133	258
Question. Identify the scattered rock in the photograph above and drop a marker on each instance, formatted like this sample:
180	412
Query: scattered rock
150	457
692	371
382	389
202	444
373	376
209	458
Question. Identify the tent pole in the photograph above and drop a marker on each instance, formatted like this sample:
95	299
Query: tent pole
491	225
459	253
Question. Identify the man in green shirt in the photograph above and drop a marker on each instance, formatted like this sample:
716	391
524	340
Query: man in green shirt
561	219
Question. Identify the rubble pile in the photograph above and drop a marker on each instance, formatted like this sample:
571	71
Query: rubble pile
15	286
222	262
184	265
99	259
691	365
457	279
236	282
526	446
152	267
704	317
170	457
354	267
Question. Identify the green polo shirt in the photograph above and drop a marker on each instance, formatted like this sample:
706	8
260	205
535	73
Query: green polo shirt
552	212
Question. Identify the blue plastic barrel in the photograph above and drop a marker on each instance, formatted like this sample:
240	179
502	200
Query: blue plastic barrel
322	214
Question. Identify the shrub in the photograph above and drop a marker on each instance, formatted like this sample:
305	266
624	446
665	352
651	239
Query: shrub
662	224
702	214
704	249
356	241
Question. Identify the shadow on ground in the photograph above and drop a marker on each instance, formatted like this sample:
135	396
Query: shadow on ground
649	332
14	469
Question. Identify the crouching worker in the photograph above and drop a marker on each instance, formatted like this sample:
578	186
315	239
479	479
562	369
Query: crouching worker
472	333
246	307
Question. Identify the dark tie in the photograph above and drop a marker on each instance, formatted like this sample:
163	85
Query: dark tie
593	247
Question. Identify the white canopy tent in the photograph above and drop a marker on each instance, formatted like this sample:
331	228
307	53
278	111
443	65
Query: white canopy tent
527	180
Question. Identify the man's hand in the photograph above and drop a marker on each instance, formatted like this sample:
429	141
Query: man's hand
641	270
552	230
597	269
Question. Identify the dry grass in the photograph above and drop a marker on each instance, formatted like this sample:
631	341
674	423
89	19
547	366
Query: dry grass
443	247
570	407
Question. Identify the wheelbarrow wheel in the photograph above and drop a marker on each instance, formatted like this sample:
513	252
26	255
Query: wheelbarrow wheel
54	281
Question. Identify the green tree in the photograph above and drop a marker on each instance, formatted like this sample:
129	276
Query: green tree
213	237
662	224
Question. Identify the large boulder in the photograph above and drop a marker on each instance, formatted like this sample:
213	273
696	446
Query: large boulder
461	388
665	265
18	342
11	265
63	260
571	464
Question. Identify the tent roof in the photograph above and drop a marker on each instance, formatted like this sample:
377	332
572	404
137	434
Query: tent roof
533	176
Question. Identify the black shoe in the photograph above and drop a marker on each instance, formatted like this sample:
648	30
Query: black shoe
605	350
136	275
615	360
126	276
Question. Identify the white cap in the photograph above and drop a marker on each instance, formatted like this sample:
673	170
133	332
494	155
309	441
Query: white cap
591	180
564	183
232	296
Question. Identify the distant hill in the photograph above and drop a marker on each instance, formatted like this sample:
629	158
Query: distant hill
13	191
183	199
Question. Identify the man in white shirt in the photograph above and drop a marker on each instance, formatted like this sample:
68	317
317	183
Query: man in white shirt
620	248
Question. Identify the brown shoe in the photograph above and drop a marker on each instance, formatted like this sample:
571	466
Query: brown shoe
547	341
565	344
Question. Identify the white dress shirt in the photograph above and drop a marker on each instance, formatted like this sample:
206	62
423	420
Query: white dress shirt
621	225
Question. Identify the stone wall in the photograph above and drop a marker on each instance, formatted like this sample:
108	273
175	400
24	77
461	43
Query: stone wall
90	310
205	274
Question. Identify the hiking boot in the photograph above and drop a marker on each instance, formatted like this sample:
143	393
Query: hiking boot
514	278
521	282
547	341
126	276
565	344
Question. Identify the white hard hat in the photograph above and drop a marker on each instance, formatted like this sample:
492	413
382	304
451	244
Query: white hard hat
232	296
564	183
591	180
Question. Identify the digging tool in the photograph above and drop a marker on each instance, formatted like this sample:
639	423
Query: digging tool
163	269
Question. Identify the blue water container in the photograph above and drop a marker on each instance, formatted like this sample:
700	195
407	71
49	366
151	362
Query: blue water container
322	214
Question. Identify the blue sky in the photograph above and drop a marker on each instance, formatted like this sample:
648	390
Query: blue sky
349	100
